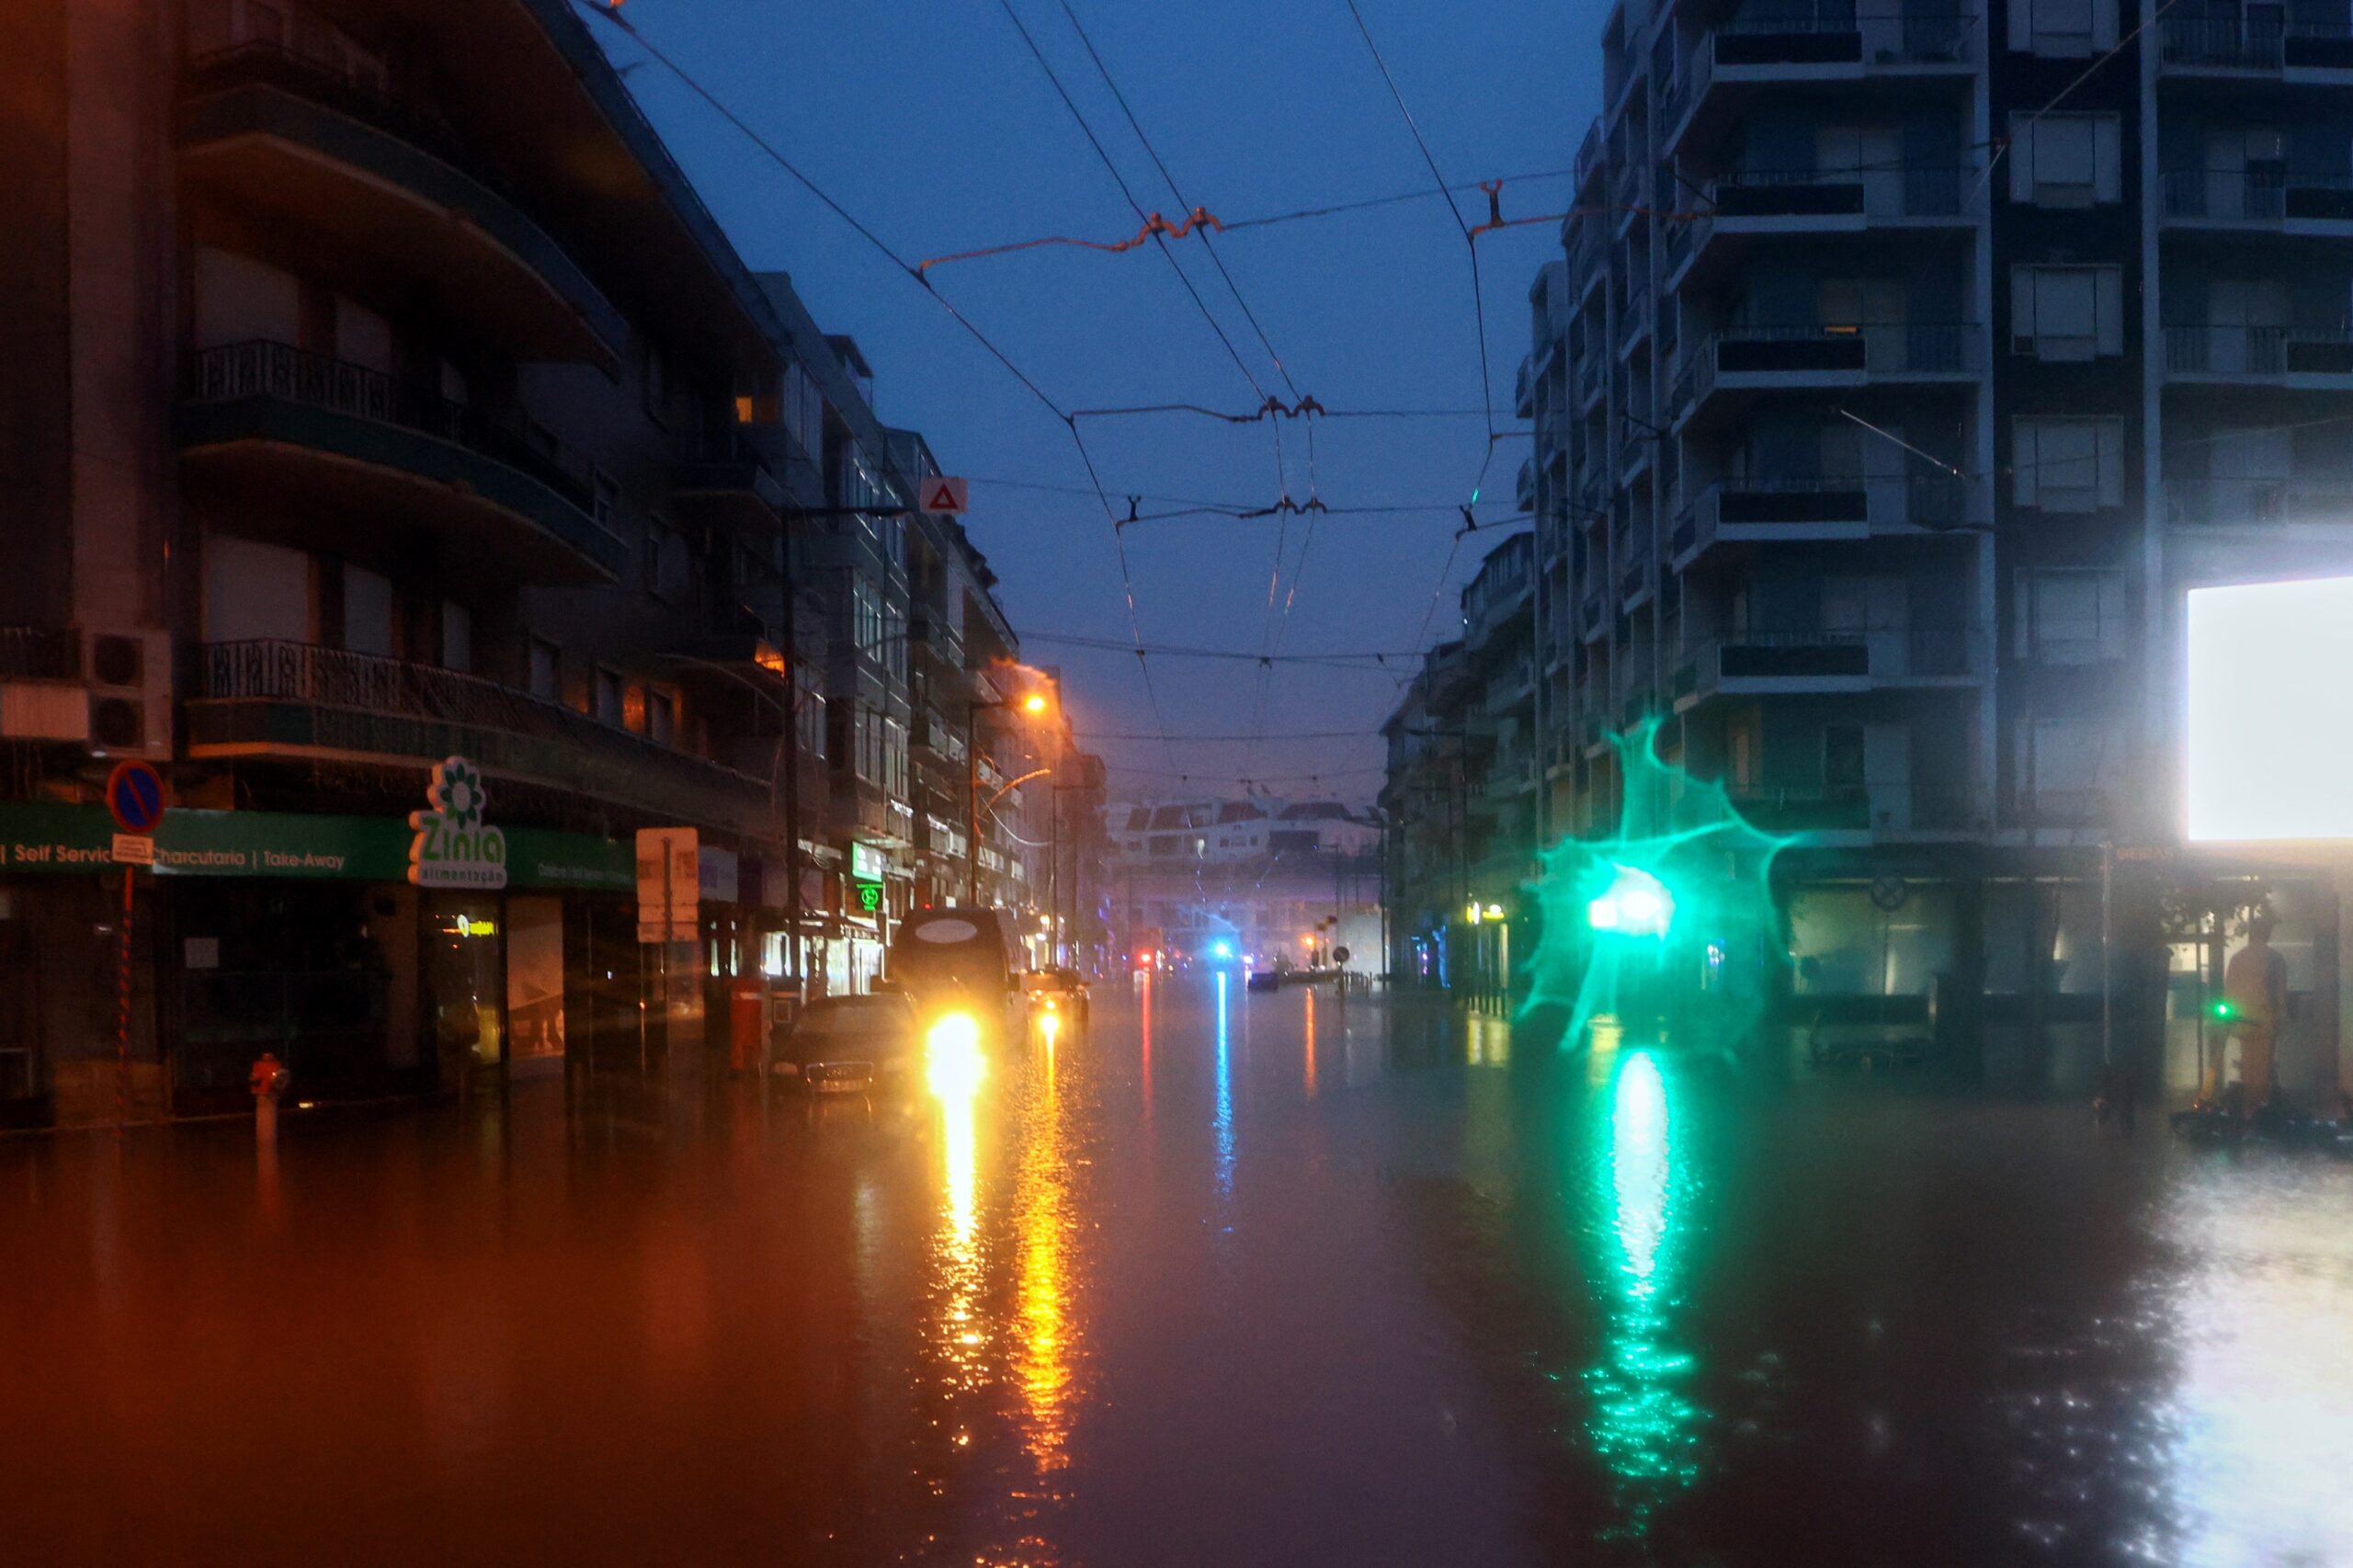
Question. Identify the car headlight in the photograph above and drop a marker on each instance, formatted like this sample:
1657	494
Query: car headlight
954	1065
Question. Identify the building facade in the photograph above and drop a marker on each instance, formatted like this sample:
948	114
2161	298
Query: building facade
1462	797
1263	881
1902	372
382	394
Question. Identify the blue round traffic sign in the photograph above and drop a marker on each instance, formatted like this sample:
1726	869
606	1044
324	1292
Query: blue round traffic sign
135	796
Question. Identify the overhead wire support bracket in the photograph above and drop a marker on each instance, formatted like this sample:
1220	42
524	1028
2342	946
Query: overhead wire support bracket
1198	218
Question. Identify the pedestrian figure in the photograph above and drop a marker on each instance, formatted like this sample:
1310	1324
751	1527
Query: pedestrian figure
2256	982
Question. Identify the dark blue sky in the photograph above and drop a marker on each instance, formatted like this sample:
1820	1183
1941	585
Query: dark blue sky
929	119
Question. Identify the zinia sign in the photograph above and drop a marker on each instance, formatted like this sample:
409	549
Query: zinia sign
453	849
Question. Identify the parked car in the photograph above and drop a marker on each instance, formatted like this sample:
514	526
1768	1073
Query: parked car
849	1044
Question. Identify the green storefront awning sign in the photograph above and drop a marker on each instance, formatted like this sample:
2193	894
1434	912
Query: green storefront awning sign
47	837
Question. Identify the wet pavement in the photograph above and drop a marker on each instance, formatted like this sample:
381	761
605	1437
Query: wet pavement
1231	1278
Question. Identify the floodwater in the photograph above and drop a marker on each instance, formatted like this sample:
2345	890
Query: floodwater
1231	1278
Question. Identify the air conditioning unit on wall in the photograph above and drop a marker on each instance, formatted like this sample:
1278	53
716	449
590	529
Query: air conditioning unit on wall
129	679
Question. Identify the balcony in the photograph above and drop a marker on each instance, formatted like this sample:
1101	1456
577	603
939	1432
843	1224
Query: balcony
727	479
2320	503
1523	394
1741	59
2232	354
378	189
1824	662
1734	515
2255	46
1723	367
2259	196
1591	379
1898	806
1524	486
265	422
1811	204
293	700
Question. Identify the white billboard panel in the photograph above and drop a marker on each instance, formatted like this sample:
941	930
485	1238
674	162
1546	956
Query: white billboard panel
2269	737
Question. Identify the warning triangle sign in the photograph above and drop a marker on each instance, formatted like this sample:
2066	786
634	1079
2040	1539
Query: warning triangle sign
943	495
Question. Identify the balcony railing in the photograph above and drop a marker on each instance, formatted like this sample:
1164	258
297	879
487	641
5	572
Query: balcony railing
2253	43
1896	806
280	370
2237	349
1876	348
1881	502
2233	501
369	704
1920	191
39	652
2257	193
1921	651
1885	38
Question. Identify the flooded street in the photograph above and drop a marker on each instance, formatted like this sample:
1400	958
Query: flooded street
1231	1278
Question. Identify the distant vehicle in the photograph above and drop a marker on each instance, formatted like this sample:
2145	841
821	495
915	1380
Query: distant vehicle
1059	994
960	960
849	1044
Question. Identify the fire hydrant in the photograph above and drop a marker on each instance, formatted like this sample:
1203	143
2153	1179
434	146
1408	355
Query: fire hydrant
269	1081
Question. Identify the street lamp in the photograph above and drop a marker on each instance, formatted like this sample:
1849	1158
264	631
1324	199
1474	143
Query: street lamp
1033	704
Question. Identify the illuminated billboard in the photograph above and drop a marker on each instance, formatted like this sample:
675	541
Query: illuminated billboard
2269	737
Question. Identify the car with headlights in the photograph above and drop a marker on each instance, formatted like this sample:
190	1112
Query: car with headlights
852	1044
1057	993
961	960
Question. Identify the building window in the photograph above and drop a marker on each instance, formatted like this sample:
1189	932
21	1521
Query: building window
2066	160
547	670
809	713
655	377
2067	465
607	502
610	695
2071	617
2063	765
2067	312
2062	29
661	718
665	561
894	757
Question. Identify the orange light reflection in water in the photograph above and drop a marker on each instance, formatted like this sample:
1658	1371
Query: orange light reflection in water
961	1336
1045	1222
1311	1042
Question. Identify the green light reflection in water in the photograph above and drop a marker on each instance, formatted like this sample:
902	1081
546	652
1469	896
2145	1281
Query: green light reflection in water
1643	1425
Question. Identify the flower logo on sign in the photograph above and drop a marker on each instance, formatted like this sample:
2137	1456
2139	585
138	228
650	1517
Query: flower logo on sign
453	847
457	792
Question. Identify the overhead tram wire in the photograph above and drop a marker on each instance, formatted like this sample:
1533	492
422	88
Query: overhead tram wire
611	15
1272	638
1160	239
1469	244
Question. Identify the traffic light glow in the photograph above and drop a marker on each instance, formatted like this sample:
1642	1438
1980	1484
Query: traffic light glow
1635	903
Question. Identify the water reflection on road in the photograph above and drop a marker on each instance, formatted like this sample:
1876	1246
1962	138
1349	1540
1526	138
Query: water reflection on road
1230	1278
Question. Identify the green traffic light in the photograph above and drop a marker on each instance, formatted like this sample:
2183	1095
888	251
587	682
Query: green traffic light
1635	903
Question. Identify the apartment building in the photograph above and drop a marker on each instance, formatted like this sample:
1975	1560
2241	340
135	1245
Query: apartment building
1903	370
1463	795
381	393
